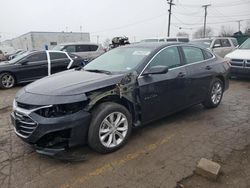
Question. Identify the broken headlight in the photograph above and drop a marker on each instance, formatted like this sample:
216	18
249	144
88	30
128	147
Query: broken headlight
60	110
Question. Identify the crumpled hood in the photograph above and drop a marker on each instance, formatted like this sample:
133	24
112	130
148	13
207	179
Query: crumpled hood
65	87
72	82
239	54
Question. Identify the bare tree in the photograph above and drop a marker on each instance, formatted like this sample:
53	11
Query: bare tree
199	33
106	43
247	29
182	34
226	31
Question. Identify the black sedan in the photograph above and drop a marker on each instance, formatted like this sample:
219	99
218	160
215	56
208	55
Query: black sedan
31	66
124	88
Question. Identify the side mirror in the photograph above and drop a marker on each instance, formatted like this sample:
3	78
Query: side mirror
217	46
159	69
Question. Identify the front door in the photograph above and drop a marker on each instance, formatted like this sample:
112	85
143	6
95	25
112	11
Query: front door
162	94
33	67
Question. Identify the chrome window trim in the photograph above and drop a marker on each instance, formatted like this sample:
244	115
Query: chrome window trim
140	75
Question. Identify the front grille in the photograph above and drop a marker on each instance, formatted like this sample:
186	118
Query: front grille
237	62
24	124
248	63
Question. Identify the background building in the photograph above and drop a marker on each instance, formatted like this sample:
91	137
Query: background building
38	40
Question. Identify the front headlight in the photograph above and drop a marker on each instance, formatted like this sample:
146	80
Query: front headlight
61	110
14	106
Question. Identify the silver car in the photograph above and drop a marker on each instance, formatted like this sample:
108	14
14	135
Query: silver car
221	46
88	51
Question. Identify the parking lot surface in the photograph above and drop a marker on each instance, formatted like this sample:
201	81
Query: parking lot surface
157	155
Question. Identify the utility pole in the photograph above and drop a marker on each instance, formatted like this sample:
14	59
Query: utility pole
205	19
239	24
170	2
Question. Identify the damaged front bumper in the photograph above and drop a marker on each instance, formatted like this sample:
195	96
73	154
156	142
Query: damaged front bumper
51	135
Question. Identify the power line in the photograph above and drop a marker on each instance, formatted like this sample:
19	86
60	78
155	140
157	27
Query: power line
238	3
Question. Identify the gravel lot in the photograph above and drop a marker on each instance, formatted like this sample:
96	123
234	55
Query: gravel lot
157	155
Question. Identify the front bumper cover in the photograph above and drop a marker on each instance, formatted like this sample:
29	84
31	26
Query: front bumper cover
74	129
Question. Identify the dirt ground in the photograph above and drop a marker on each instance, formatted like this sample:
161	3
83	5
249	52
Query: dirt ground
235	172
157	155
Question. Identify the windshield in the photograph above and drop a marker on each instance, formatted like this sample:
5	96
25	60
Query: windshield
119	60
245	45
58	48
19	57
203	43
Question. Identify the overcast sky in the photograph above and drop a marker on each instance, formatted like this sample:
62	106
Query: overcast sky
137	19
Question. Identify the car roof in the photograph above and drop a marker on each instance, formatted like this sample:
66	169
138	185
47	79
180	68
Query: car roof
77	43
152	45
212	38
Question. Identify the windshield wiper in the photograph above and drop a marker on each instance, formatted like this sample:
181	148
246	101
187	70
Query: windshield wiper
98	71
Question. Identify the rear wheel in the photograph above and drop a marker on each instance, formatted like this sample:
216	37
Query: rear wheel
7	81
110	127
215	94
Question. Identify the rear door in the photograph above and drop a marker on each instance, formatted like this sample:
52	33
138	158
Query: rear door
59	62
199	73
35	67
161	94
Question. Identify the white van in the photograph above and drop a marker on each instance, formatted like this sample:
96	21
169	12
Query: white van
167	39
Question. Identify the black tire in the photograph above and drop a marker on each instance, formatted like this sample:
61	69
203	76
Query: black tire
209	103
99	114
2	85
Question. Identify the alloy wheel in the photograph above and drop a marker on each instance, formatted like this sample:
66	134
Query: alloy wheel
8	81
216	93
113	129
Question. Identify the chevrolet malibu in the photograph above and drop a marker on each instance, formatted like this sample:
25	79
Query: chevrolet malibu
127	87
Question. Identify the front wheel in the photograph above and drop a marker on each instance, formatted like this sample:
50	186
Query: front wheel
110	127
215	94
7	81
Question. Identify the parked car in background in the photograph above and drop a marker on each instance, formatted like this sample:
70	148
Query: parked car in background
126	87
88	51
2	56
221	46
31	66
15	54
174	39
240	60
167	39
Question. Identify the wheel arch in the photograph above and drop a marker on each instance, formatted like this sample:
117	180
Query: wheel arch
119	100
9	72
220	77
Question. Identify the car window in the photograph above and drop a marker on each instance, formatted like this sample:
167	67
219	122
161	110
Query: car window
70	49
82	48
192	54
168	57
207	54
162	40
217	42
93	47
183	40
235	42
225	43
37	57
54	55
171	40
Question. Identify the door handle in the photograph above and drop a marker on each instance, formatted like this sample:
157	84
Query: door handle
208	68
181	75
